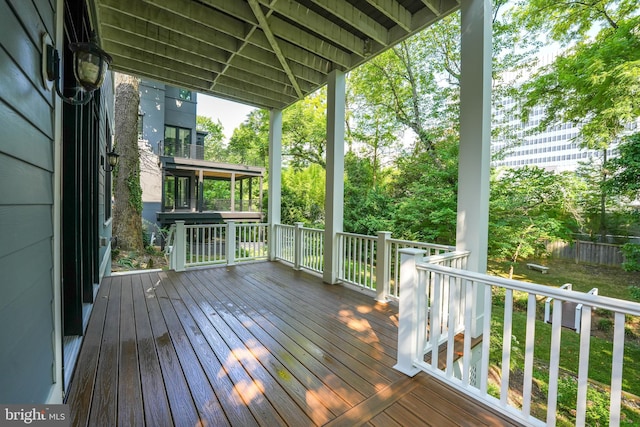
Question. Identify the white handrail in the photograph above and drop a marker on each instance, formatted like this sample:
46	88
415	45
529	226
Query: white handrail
473	293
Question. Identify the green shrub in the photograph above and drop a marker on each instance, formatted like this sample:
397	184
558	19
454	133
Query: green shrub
605	324
631	252
634	291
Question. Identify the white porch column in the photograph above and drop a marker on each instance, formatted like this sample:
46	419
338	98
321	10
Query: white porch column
475	132
334	198
233	192
475	142
274	191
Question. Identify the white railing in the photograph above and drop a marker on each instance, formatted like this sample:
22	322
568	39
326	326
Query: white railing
300	246
472	302
205	244
311	249
361	256
357	265
250	241
431	249
284	244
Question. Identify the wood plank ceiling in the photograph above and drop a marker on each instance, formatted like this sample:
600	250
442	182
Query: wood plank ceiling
264	53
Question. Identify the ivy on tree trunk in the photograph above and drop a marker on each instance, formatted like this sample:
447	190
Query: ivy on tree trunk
127	212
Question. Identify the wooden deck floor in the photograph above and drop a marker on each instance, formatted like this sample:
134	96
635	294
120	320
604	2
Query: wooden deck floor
255	344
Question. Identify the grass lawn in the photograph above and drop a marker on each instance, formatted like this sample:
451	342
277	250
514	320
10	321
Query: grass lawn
613	282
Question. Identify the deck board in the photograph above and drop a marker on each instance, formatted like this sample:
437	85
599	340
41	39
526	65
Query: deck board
254	344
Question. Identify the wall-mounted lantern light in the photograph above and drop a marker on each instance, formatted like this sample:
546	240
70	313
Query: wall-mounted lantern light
90	64
112	161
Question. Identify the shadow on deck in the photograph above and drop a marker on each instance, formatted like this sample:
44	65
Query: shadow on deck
254	344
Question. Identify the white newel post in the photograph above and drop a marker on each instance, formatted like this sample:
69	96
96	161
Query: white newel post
408	327
334	199
382	267
297	245
475	141
231	243
179	252
274	191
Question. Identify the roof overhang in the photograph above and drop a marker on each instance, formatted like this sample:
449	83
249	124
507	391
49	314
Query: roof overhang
263	53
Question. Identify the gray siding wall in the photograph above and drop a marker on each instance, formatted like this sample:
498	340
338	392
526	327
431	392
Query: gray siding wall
152	108
179	112
26	201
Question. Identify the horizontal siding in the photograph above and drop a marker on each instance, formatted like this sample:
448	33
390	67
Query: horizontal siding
27	359
26	200
23	141
24	226
15	281
22	183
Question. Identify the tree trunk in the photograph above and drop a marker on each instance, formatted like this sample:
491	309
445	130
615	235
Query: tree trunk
127	212
603	199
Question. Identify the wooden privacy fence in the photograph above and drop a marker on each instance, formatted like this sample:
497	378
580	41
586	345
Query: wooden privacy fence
587	252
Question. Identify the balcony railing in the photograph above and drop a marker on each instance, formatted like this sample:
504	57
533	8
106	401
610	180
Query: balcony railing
225	205
184	151
206	244
439	302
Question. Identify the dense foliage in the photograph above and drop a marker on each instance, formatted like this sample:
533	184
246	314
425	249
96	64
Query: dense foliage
401	165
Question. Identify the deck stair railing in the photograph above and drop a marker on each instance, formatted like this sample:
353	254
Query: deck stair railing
228	243
438	302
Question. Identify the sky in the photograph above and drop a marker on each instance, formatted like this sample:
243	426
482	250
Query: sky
230	114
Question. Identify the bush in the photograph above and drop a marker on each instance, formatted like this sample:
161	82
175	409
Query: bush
605	325
634	291
631	252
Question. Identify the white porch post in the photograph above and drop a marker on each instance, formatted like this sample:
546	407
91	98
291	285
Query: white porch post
334	199
274	191
475	139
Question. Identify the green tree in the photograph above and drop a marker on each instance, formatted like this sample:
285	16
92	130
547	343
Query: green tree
304	134
594	83
303	196
625	169
214	149
527	208
368	208
426	193
249	143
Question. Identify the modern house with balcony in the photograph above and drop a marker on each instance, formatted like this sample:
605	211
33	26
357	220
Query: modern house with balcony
178	181
403	338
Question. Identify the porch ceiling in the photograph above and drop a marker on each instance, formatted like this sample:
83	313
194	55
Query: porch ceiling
264	53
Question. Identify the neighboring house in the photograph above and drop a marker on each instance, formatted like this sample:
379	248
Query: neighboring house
178	181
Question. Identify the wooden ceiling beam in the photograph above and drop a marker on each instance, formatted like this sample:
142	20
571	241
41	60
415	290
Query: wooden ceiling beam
394	11
264	25
355	18
317	24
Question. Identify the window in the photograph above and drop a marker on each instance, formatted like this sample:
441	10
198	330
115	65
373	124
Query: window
184	94
177	141
177	192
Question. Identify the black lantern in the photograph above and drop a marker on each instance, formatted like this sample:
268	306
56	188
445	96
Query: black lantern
90	64
112	161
